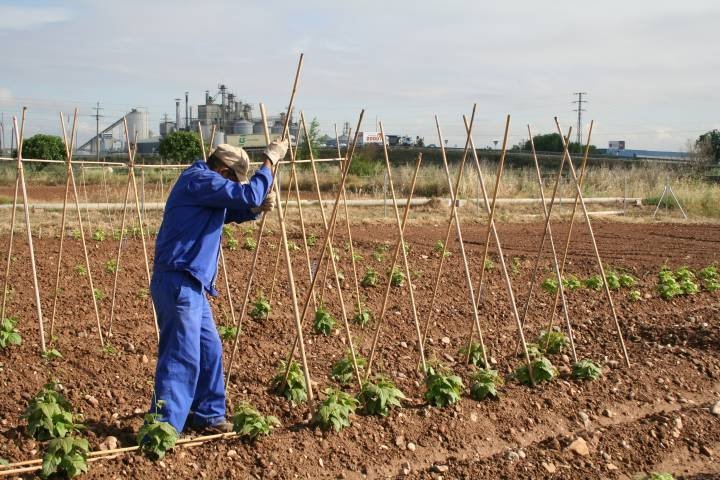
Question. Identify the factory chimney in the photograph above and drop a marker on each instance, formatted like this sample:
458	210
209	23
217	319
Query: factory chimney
177	113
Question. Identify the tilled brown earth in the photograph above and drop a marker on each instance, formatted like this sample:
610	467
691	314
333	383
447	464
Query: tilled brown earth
651	416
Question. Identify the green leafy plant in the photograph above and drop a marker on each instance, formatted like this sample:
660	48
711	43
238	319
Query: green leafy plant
668	287
659	476
686	280
549	285
485	383
334	412
595	282
379	252
534	350
710	278
98	235
249	243
261	308
571	283
379	397
142	293
111	266
292	246
442	388
370	279
613	281
249	423
76	234
324	322
635	296
627	280
586	370
488	265
80	270
397	277
51	354
227	332
515	265
65	456
552	341
311	240
293	388
476	354
9	335
543	371
98	294
406	247
48	415
109	349
343	370
233	244
357	257
228	230
156	437
363	317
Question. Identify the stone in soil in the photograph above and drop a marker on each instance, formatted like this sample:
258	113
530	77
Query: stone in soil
579	447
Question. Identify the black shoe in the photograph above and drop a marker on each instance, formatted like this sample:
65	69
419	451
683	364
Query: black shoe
222	427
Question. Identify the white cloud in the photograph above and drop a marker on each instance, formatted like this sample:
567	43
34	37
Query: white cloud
17	17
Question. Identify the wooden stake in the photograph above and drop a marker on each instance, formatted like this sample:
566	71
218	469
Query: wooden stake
19	138
117	258
548	231
326	244
408	275
451	220
491	226
458	231
10	243
60	252
621	341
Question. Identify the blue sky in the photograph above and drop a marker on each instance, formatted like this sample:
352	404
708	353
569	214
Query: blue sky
650	67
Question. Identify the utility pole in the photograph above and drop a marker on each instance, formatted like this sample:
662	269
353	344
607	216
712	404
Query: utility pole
579	111
2	132
97	131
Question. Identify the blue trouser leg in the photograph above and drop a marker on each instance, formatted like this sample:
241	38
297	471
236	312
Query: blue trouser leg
209	403
186	351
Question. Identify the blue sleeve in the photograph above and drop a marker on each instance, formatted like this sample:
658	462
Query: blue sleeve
240	215
210	189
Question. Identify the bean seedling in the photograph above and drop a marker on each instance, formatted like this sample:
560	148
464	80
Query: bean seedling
613	281
261	308
379	397
343	370
549	285
571	283
311	240
668	286
156	437
65	456
48	415
476	354
485	383
552	341
227	332
659	476
488	265
111	266
324	322
686	280
439	248
9	335
51	354
363	317
635	296
98	235
232	244
80	270
442	388
249	243
249	423
627	280
379	252
334	412
543	371
293	388
595	282
709	276
586	370
397	277
292	246
370	278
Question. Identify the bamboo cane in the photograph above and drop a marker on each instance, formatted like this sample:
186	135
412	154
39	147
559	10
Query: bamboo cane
458	231
60	251
19	138
248	287
621	341
10	242
506	275
548	231
400	246
328	237
85	194
451	220
131	167
548	211
572	219
117	258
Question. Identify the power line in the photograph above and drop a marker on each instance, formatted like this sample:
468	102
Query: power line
97	131
579	111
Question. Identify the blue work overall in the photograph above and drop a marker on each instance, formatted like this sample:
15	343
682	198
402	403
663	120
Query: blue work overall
189	374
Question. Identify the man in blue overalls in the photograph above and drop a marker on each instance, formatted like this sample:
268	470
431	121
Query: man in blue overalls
189	374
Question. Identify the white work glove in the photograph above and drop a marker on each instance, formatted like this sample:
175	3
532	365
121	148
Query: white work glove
267	205
276	150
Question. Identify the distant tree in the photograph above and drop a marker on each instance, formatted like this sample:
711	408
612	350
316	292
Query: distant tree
419	141
45	147
551	142
708	146
181	147
313	135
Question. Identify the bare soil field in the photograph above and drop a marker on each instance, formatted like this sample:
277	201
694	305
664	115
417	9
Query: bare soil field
652	416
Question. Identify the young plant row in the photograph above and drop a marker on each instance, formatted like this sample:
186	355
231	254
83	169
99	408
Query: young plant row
684	281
